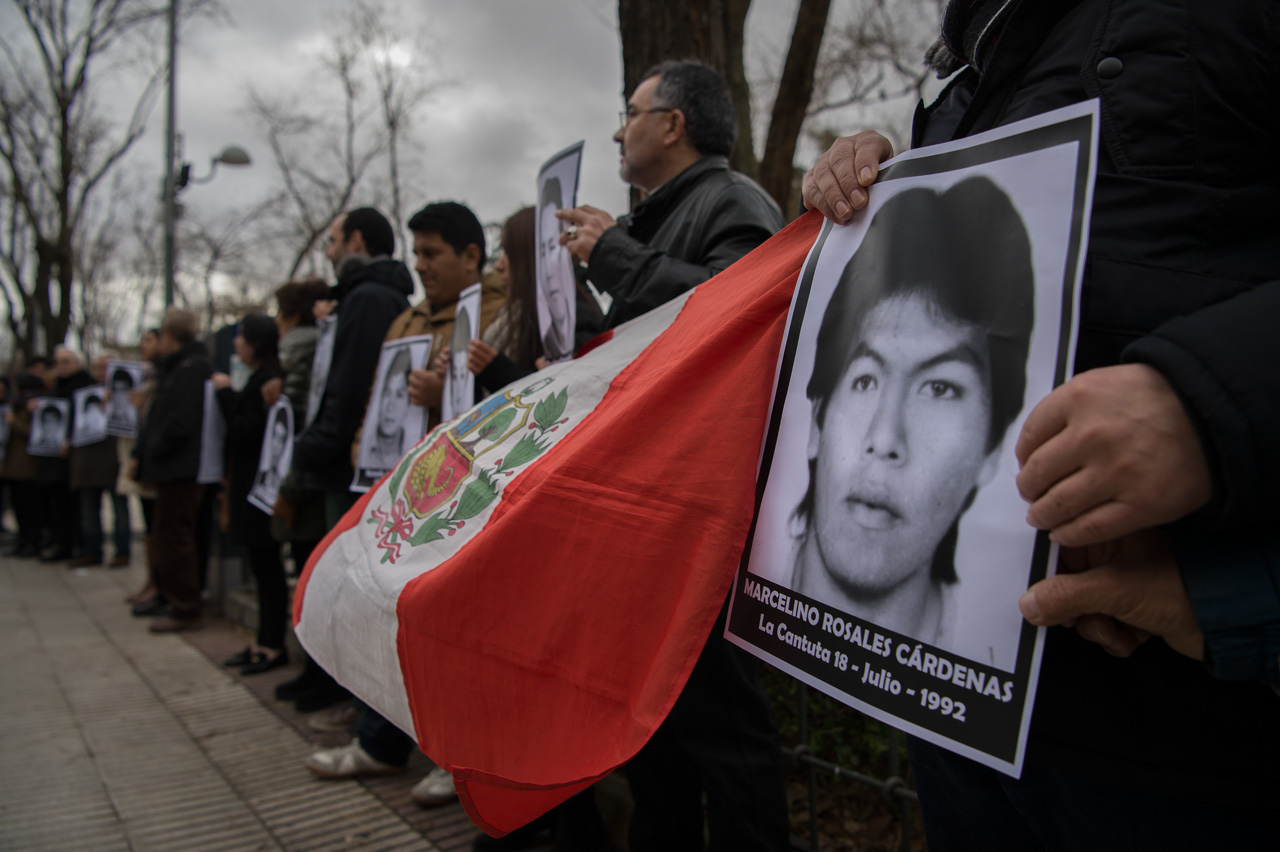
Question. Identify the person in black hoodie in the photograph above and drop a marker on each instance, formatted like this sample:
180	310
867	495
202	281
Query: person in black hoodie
53	475
246	414
170	457
373	288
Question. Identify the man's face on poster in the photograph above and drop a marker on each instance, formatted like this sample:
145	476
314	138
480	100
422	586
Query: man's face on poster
550	252
395	404
902	445
279	434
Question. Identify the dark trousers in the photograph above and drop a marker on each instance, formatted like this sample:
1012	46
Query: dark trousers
718	739
26	509
273	595
381	739
60	516
968	806
91	522
177	570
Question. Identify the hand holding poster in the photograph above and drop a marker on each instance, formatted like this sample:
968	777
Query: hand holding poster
276	456
49	423
890	546
89	425
392	425
123	378
459	384
557	290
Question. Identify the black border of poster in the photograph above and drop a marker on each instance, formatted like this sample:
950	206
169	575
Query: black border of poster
863	664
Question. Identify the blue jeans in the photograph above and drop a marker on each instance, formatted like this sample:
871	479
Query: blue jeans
382	739
91	523
967	806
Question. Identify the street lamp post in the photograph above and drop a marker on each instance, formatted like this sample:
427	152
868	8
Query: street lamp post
176	181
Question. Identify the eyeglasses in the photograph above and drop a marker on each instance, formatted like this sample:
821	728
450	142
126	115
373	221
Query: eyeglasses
624	118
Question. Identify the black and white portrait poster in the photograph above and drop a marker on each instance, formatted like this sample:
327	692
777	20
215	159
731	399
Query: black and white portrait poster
392	424
459	384
213	438
123	378
275	457
890	544
49	424
89	425
327	330
557	303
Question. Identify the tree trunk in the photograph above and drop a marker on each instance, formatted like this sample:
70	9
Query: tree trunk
777	167
710	31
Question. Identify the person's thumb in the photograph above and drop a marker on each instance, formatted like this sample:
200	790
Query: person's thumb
1065	597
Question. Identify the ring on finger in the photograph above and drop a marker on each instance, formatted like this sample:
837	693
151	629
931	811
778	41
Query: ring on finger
571	232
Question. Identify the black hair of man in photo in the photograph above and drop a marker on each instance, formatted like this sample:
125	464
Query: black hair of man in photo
121	379
919	371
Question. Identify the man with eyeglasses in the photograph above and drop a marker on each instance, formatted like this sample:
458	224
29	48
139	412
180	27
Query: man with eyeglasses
697	219
698	216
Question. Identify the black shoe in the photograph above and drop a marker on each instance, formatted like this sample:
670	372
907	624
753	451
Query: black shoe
58	554
242	659
260	662
320	698
292	690
26	551
155	606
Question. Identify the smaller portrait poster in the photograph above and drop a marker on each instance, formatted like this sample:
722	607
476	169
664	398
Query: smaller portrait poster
213	438
89	425
557	294
123	378
392	424
327	331
276	456
5	430
890	544
49	425
459	384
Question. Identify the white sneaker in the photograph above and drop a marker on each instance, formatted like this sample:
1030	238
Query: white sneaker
434	790
348	761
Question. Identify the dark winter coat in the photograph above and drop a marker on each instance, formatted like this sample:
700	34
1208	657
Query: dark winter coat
95	465
695	225
169	447
370	297
246	417
1182	269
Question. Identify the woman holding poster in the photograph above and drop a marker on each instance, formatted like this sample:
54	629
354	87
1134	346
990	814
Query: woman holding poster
246	417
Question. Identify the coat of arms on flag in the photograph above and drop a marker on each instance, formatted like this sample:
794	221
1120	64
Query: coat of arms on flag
443	484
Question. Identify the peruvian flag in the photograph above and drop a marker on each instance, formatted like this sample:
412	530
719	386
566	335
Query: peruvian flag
527	592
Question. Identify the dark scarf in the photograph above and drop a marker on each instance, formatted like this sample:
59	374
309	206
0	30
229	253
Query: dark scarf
969	31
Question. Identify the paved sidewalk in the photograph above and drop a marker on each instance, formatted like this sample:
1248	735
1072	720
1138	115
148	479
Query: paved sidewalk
116	739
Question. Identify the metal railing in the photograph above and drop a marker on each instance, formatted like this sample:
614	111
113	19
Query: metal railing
894	789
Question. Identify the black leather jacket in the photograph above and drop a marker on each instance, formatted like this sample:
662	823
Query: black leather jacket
695	225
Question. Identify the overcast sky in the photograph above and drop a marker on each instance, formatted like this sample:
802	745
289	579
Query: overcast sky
526	79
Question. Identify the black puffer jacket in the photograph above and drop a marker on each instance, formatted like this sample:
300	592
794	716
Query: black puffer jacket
696	225
170	443
1183	260
370	296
